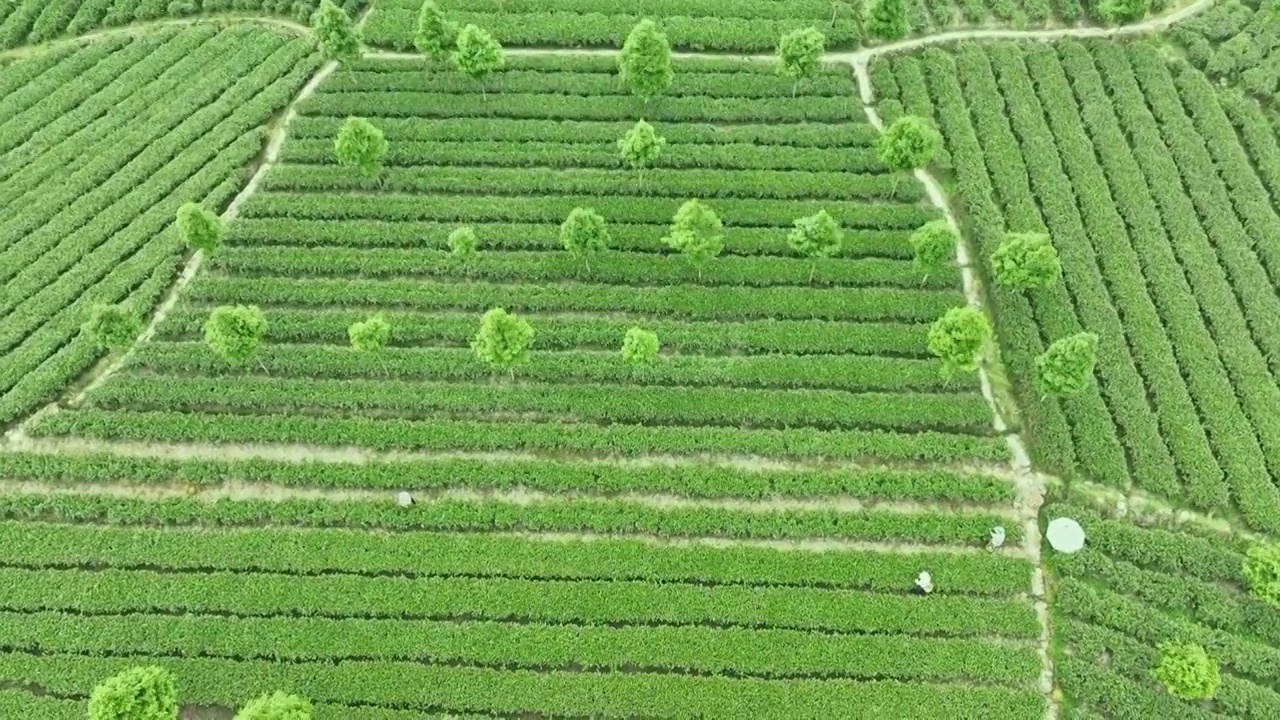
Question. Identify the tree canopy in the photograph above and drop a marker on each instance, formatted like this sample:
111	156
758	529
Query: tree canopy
1262	573
641	145
639	346
234	332
816	236
909	142
645	60
1025	260
477	55
140	693
584	233
434	36
201	229
360	144
800	54
463	243
339	37
503	339
696	232
934	246
276	706
1066	366
1187	671
370	334
113	327
888	20
958	338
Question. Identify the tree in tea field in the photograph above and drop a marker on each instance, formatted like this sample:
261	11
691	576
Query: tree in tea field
360	144
800	54
908	143
1187	671
463	243
276	706
696	231
112	327
1262	573
888	20
584	234
234	332
503	340
478	55
201	229
435	36
140	693
1122	11
934	246
641	146
371	334
640	347
816	236
1066	366
339	37
958	338
644	64
1025	260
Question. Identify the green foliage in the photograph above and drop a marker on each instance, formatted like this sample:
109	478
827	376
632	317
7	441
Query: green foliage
696	231
958	338
435	36
201	229
113	327
140	693
644	64
640	347
800	53
235	332
1066	367
1025	261
1187	671
503	340
477	55
371	334
276	706
816	236
463	243
933	246
888	20
359	143
1262	573
339	37
641	145
908	143
1122	11
584	233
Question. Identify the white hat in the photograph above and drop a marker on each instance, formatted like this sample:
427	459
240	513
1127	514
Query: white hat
1065	535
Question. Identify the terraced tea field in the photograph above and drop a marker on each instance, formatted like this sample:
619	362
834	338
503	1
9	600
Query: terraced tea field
792	511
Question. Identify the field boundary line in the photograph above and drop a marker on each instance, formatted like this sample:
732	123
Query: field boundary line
857	58
269	491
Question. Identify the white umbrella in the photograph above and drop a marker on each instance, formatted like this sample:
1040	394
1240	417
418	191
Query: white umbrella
404	499
1065	535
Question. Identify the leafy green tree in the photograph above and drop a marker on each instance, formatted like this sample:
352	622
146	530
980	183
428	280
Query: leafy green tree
140	693
112	327
1116	12
645	61
339	37
503	340
934	246
1187	671
371	334
640	347
816	236
1262	573
201	229
958	338
800	54
641	146
463	243
235	332
478	55
908	143
359	143
696	231
888	20
1066	366
1025	261
584	233
276	706
435	36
